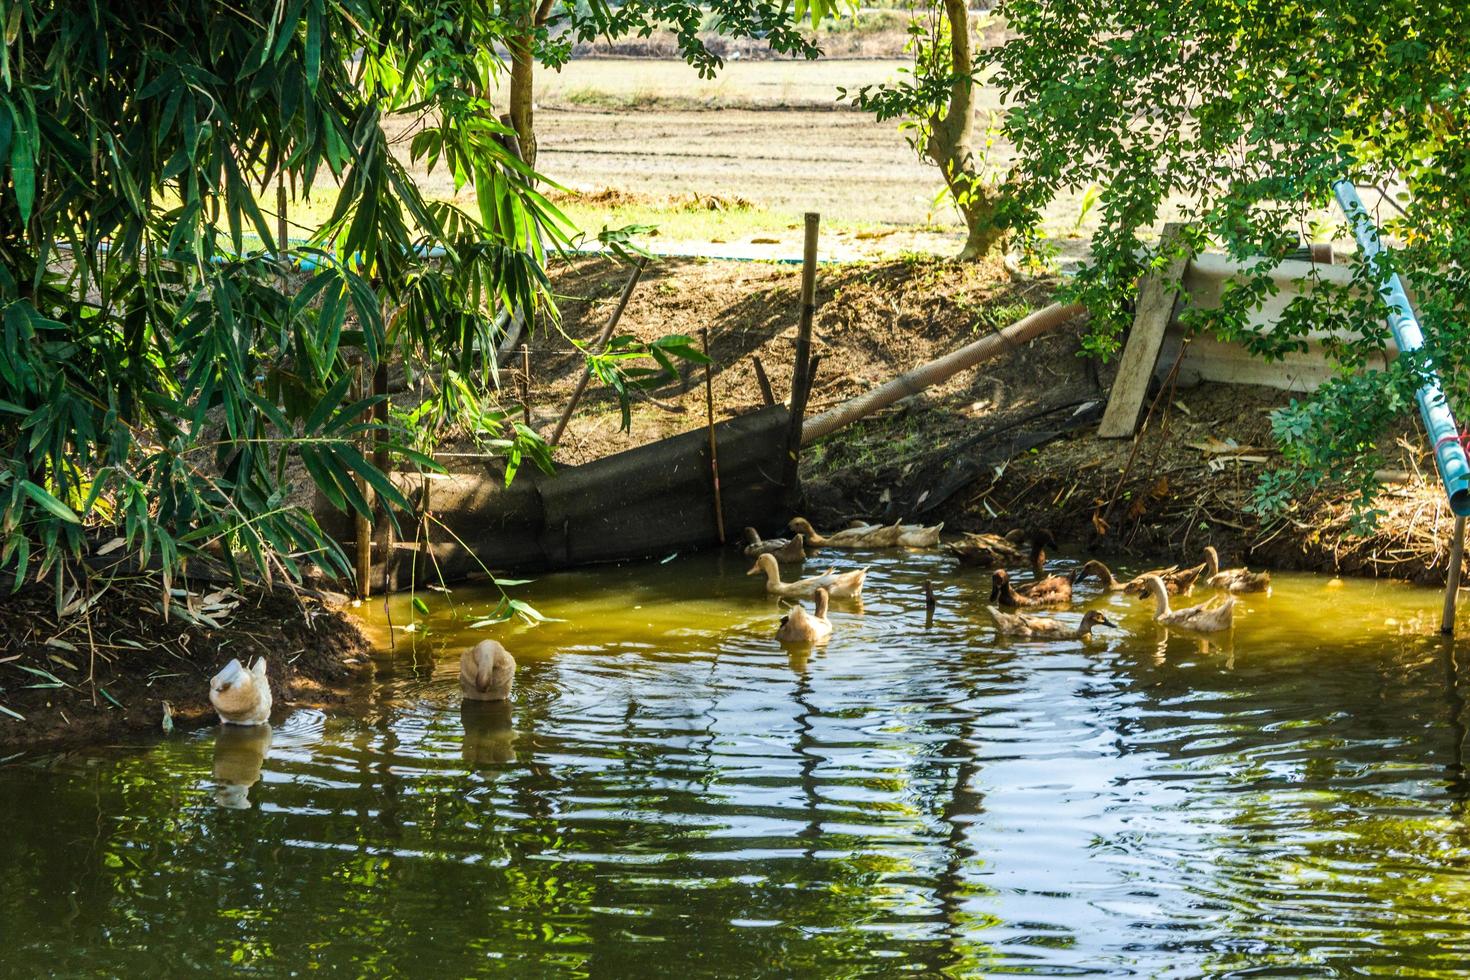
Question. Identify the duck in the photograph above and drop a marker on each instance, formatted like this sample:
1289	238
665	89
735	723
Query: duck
844	585
785	549
1201	618
1233	579
864	536
799	626
919	536
487	672
1052	591
1176	581
1046	628
988	550
241	696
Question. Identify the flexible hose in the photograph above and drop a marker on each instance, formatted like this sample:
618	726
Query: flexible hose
915	381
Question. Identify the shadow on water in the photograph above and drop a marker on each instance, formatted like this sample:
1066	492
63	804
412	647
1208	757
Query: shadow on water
1289	798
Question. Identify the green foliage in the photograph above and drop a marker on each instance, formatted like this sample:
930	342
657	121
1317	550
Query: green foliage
1242	115
165	358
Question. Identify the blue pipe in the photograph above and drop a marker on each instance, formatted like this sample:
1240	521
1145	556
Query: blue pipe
1439	421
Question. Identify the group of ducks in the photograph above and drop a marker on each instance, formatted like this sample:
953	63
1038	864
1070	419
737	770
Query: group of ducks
242	696
996	551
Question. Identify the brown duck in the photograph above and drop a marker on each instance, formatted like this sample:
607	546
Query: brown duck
1176	581
1054	590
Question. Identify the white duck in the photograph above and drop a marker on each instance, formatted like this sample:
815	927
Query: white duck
919	536
242	697
799	626
1201	618
863	536
847	585
487	672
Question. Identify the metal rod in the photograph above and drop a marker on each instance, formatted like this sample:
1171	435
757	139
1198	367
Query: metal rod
1452	581
607	330
791	470
714	449
1439	422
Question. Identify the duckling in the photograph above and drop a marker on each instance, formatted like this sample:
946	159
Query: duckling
840	586
487	672
1233	579
919	536
988	550
864	536
785	549
242	697
1053	591
1200	618
1046	628
798	626
1176	581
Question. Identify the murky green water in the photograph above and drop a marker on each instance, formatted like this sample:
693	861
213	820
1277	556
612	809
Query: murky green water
671	792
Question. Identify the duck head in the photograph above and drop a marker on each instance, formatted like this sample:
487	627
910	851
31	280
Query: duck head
822	600
801	526
1000	583
1094	618
765	565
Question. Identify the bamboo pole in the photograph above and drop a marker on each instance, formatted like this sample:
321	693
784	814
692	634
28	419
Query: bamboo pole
607	330
1452	583
799	372
767	395
526	384
363	527
714	449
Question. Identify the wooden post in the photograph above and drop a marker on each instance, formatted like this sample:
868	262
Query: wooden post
526	384
767	395
714	449
282	231
1157	292
1452	581
363	527
607	330
790	475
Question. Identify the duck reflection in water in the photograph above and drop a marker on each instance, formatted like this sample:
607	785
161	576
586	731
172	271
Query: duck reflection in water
239	753
489	733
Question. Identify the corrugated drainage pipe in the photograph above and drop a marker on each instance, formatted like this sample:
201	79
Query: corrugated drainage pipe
915	381
1449	452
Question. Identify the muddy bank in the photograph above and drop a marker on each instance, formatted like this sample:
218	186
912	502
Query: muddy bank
103	671
1011	443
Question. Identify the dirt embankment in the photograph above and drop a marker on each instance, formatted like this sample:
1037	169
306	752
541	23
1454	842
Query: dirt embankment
104	665
1011	443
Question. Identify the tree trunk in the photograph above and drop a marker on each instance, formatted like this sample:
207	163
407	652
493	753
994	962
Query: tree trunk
522	82
951	142
528	19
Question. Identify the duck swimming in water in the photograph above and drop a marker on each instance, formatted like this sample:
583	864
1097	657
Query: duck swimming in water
1201	618
1233	579
487	672
1046	628
988	550
785	549
1053	591
240	696
1177	581
862	536
799	626
843	585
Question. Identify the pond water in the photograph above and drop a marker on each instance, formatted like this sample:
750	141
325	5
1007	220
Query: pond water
672	791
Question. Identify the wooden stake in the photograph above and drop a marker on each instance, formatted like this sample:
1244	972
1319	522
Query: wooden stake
607	330
714	449
526	384
767	395
799	372
1452	583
